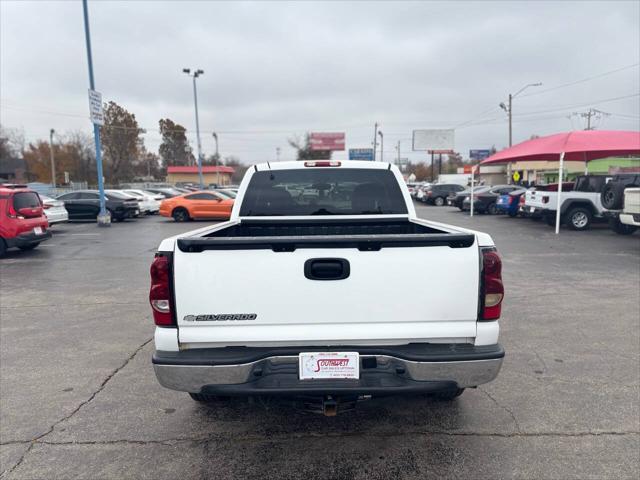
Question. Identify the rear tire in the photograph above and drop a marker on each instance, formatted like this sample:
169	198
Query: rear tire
579	218
621	228
3	248
550	219
447	395
492	209
513	214
31	246
180	215
438	201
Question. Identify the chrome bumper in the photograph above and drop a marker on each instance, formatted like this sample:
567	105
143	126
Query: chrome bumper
192	378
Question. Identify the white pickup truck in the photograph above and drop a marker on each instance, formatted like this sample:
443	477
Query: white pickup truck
317	295
579	208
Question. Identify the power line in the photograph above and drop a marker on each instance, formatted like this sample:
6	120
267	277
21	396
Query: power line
564	85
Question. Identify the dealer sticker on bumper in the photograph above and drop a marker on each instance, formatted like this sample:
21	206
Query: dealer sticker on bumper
314	365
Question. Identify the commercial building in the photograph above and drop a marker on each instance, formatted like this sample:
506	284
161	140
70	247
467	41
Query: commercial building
220	175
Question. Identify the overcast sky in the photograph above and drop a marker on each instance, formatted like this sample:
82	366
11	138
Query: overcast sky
277	69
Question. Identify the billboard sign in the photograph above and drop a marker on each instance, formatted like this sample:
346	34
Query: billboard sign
479	154
433	140
361	154
327	141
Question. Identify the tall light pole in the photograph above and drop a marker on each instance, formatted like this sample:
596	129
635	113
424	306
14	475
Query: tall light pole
398	149
509	109
375	140
277	154
194	75
381	146
215	137
104	218
53	163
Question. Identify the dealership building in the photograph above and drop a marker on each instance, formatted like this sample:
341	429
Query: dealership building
219	175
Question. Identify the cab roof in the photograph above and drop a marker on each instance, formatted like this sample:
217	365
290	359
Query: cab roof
302	164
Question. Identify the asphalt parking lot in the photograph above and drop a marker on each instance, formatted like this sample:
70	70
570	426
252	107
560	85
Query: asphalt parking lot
78	397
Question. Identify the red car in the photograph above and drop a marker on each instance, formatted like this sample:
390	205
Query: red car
23	223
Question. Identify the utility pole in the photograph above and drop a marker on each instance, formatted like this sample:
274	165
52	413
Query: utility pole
510	119
277	154
508	108
591	113
104	218
215	137
53	163
375	140
195	75
398	148
381	146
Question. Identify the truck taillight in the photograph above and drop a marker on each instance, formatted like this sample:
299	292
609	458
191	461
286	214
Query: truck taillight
492	287
159	294
522	200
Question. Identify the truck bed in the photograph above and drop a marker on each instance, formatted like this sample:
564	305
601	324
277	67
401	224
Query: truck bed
364	235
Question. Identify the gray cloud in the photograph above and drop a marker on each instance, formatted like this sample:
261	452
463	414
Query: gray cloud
274	69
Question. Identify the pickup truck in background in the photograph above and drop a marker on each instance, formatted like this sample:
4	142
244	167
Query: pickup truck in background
316	296
621	198
579	208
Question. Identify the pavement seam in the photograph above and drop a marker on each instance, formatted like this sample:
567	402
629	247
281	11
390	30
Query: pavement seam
75	410
506	409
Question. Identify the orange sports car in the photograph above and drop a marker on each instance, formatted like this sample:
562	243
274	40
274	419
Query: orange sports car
197	205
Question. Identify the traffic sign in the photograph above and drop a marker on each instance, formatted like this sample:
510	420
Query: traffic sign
95	107
516	176
361	154
479	154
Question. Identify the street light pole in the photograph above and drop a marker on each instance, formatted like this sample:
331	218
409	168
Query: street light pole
381	146
508	108
375	140
53	163
215	136
195	75
104	218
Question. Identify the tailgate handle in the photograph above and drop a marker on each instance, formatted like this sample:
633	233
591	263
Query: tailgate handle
326	269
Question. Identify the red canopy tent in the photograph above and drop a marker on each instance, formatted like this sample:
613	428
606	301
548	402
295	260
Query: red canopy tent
581	145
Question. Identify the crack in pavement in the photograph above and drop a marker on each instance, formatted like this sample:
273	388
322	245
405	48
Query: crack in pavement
506	409
295	437
37	439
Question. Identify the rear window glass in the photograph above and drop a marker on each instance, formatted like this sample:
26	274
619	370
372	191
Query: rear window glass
25	200
323	191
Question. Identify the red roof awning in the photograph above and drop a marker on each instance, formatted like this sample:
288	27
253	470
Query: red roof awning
580	145
205	169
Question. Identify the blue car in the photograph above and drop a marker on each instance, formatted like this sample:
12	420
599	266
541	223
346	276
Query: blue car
508	203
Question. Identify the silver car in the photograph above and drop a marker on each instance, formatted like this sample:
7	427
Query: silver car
54	210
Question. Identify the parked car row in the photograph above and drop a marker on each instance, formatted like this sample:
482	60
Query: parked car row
26	216
591	198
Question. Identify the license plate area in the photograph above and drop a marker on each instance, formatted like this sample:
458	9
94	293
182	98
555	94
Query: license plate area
37	230
329	365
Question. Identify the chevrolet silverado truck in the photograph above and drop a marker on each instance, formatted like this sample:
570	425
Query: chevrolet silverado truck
312	296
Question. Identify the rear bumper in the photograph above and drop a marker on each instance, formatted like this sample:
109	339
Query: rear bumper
630	219
387	370
27	239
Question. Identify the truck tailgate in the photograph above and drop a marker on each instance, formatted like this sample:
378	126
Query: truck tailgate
258	296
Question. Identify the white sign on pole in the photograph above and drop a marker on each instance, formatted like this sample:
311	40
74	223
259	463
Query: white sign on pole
436	140
95	107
